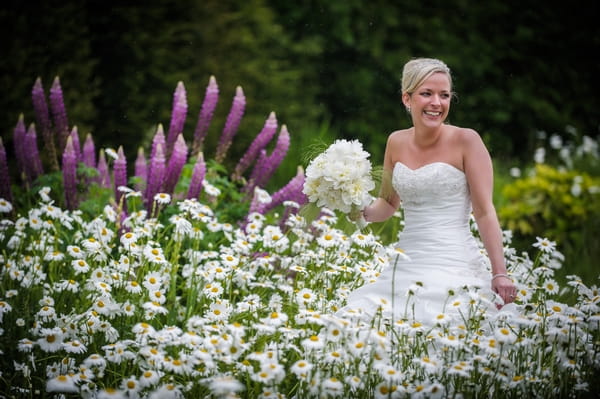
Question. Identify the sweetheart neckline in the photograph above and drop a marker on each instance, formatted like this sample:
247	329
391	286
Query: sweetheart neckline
431	164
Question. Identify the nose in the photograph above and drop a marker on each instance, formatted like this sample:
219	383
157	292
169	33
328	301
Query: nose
435	99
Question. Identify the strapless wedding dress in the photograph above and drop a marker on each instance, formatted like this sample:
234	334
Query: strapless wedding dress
446	271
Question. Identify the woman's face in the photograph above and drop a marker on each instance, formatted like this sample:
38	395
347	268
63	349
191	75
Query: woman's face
430	103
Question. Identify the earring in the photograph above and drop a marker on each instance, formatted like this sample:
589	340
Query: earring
408	109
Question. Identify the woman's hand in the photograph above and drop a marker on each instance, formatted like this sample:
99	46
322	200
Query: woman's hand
355	214
503	286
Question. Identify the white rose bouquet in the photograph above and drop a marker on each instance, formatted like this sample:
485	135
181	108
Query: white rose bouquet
340	177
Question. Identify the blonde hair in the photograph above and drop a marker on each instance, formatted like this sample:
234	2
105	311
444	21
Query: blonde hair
418	69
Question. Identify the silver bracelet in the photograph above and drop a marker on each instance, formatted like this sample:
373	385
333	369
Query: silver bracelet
495	276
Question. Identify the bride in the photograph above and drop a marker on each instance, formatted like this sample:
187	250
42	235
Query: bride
440	174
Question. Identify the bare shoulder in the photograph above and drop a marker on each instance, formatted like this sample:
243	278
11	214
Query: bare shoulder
466	137
399	136
464	134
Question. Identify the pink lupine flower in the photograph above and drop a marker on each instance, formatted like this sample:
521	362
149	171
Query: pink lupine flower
69	170
120	173
175	165
89	152
59	113
141	169
260	142
5	191
198	174
178	115
231	125
211	97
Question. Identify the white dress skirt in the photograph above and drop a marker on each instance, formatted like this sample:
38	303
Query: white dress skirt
446	274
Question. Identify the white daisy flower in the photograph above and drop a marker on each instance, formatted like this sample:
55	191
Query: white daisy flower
162	198
63	384
5	206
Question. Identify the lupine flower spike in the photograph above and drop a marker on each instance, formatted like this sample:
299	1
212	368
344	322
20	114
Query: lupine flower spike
175	166
209	104
156	176
5	191
266	164
19	139
198	174
76	145
59	113
32	154
141	169
178	115
42	116
69	170
89	152
292	191
120	173
103	173
276	157
159	139
232	124
260	141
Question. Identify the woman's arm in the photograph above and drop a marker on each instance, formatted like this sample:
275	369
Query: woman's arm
388	201
480	176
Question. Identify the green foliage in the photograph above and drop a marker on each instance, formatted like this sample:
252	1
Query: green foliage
556	202
338	62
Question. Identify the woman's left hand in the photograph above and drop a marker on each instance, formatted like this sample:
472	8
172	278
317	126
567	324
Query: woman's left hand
503	286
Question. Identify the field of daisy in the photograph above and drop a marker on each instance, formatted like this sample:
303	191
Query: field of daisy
188	280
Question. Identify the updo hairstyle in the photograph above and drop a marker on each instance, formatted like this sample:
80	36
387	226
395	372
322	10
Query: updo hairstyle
417	70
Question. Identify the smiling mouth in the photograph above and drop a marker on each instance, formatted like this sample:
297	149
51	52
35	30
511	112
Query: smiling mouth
431	113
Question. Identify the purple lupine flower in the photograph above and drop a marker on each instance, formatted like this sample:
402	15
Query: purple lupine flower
40	106
259	167
59	113
176	162
32	154
178	115
103	172
159	139
69	171
19	142
292	191
5	191
141	169
274	159
156	176
120	173
198	175
206	113
42	117
76	145
231	125
89	152
260	141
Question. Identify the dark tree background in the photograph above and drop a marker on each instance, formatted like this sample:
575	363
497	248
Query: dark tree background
519	66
